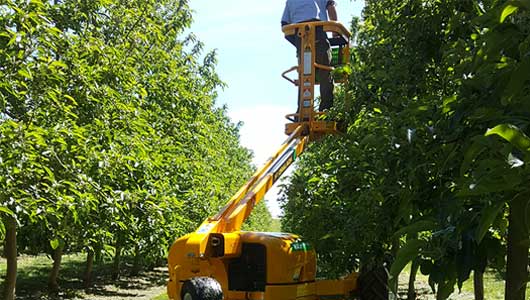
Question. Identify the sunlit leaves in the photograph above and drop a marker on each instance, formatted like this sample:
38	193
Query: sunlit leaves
512	7
507	11
513	135
54	244
109	129
439	73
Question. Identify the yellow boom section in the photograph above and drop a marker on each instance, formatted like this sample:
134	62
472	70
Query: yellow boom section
237	210
305	126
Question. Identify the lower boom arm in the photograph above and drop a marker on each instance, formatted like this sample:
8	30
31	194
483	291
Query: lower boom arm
237	210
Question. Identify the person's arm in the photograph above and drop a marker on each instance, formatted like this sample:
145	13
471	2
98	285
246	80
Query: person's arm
332	12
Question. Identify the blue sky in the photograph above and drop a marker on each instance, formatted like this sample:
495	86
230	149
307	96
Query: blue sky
252	54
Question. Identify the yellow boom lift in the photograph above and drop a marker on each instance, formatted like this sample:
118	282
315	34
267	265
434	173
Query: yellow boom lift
218	260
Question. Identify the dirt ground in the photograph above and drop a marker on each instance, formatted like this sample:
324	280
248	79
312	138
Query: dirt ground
138	290
424	291
33	274
145	286
115	293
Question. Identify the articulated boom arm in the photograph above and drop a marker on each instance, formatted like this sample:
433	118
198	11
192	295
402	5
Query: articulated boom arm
305	126
237	210
218	259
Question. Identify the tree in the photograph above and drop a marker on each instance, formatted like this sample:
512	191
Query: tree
109	128
433	83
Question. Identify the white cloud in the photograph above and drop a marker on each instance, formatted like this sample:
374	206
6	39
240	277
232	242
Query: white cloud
263	129
263	133
252	54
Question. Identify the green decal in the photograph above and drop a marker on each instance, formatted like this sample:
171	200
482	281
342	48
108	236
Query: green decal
301	246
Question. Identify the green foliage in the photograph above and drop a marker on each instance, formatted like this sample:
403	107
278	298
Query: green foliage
109	131
404	256
259	220
513	135
420	160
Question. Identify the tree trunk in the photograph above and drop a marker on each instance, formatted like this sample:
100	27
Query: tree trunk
517	254
10	249
478	284
373	284
57	256
411	294
395	249
137	261
87	277
99	254
117	261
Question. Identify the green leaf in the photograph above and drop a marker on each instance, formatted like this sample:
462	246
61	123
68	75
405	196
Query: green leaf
472	152
36	2
512	134
487	217
424	225
405	255
507	11
50	173
447	103
2	230
518	79
446	288
6	210
342	71
327	236
313	180
54	243
71	99
143	93
25	73
59	64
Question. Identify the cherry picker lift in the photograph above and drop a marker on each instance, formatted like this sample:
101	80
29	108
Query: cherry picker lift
218	260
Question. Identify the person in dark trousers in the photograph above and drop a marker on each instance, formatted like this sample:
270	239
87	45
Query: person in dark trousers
299	11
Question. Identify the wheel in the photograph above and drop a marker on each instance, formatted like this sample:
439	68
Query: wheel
201	288
374	284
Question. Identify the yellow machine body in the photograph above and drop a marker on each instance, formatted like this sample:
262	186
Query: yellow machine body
278	266
256	265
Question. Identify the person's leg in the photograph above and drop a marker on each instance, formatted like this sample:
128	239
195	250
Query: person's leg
323	57
298	45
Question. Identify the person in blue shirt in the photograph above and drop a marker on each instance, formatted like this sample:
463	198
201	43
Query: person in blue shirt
299	11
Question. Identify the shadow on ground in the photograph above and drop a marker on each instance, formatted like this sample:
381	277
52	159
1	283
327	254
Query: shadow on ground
33	273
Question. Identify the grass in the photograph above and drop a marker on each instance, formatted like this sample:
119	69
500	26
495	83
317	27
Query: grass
32	278
33	274
161	297
276	225
493	286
